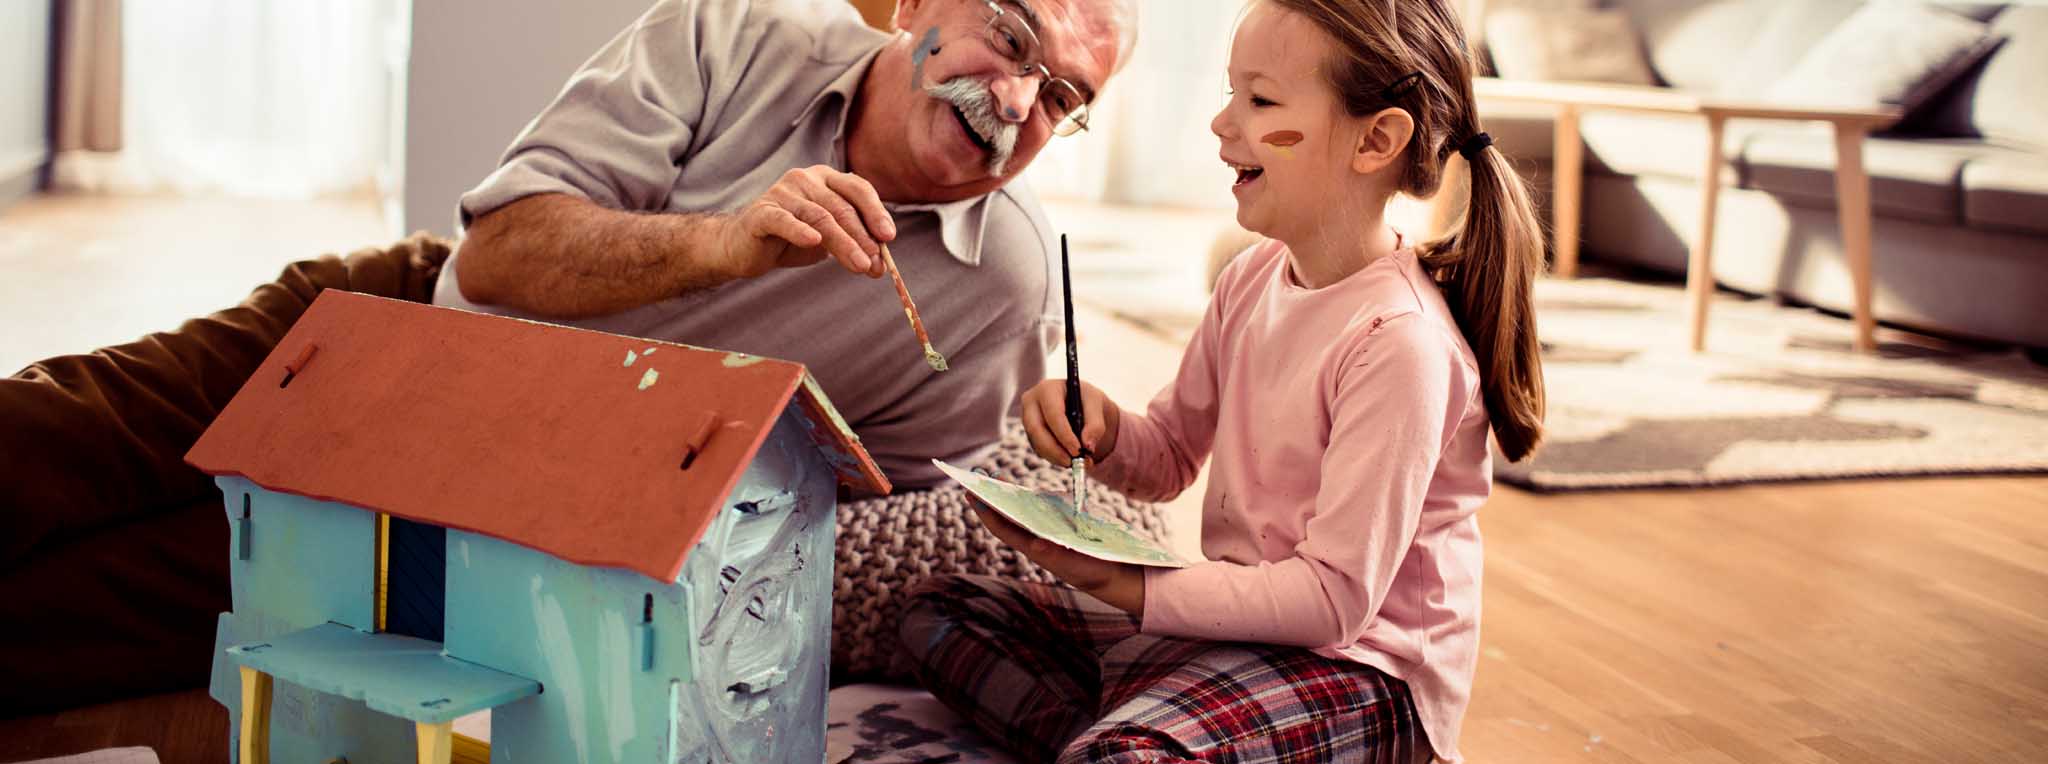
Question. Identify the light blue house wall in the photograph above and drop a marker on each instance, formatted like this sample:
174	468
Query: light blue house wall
310	562
740	645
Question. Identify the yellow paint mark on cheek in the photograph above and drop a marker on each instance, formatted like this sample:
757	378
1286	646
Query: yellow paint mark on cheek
1283	142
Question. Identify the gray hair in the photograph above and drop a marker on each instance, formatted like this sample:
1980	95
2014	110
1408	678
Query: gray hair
1124	14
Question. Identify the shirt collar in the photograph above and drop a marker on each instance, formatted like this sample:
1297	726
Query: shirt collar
960	222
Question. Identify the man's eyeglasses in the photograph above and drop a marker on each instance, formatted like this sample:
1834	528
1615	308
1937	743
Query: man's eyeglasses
1011	36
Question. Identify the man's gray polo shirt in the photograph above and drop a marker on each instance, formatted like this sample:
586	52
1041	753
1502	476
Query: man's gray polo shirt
701	106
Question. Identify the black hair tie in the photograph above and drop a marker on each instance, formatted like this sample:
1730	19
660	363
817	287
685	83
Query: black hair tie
1472	146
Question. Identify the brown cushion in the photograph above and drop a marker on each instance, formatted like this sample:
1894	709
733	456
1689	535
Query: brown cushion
2007	190
887	545
113	551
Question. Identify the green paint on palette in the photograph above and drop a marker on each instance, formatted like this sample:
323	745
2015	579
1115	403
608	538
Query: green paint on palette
1052	517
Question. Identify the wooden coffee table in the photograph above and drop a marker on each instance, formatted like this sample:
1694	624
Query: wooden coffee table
1852	183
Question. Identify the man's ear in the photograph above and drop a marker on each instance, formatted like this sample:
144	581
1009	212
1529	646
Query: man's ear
1385	135
905	11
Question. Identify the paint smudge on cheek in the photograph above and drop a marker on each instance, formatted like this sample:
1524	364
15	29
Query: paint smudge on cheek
1283	142
925	48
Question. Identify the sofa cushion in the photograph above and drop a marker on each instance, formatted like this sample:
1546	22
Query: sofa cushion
1578	45
1887	53
1688	40
2009	105
1914	179
2007	190
1786	34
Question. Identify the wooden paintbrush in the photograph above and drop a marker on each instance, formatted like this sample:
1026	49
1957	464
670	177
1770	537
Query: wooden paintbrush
1075	418
931	354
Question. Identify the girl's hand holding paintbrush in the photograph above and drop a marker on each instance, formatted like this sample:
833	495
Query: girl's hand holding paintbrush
1045	422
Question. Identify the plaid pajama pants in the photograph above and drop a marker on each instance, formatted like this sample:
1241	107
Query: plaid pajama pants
1055	675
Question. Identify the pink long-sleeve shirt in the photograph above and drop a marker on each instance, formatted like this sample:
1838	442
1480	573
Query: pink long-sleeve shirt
1350	453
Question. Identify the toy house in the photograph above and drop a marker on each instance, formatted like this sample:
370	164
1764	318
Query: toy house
621	548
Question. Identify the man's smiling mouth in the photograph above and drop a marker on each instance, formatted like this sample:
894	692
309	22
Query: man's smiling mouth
974	135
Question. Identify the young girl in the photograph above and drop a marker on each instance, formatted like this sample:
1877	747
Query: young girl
1344	382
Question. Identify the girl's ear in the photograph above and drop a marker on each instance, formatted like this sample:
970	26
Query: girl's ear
1385	135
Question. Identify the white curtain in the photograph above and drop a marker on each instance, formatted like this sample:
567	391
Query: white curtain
250	98
1148	140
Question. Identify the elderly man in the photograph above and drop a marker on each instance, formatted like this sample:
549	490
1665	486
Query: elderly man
688	182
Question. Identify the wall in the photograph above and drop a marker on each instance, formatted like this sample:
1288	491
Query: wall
479	70
24	96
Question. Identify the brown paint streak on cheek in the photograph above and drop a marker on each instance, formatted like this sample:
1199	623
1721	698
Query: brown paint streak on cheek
1281	138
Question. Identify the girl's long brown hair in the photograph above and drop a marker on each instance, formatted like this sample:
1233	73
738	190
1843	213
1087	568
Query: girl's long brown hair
1412	54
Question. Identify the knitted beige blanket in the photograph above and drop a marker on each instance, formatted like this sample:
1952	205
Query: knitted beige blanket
887	545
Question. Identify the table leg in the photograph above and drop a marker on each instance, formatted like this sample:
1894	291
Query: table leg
435	741
255	748
1699	270
1567	185
1852	206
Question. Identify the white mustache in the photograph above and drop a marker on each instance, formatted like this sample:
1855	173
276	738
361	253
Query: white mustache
974	100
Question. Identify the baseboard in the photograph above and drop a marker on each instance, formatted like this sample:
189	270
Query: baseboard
21	175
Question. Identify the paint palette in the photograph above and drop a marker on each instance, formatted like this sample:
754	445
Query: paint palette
1052	517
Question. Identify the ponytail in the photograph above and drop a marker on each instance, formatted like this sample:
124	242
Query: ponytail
1487	268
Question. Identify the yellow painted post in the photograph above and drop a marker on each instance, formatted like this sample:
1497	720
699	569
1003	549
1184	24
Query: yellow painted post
255	717
435	742
383	566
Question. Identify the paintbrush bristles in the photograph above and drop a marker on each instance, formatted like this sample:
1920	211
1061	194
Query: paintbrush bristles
931	355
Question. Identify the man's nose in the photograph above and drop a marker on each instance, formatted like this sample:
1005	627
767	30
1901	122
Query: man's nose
1014	97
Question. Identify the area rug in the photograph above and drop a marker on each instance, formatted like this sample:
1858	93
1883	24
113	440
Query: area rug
1777	396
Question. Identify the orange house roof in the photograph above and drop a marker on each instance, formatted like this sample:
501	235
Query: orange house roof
568	441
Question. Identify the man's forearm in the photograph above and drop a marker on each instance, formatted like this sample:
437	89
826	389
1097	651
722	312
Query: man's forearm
565	257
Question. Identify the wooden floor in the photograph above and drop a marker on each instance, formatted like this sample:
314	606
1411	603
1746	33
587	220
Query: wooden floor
1865	621
1894	621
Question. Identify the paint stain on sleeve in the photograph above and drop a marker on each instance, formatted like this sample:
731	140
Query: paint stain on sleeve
630	358
647	380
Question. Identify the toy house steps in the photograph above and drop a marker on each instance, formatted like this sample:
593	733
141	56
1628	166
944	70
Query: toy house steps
401	676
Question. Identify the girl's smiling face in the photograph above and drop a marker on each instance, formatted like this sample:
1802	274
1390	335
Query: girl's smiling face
1284	130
